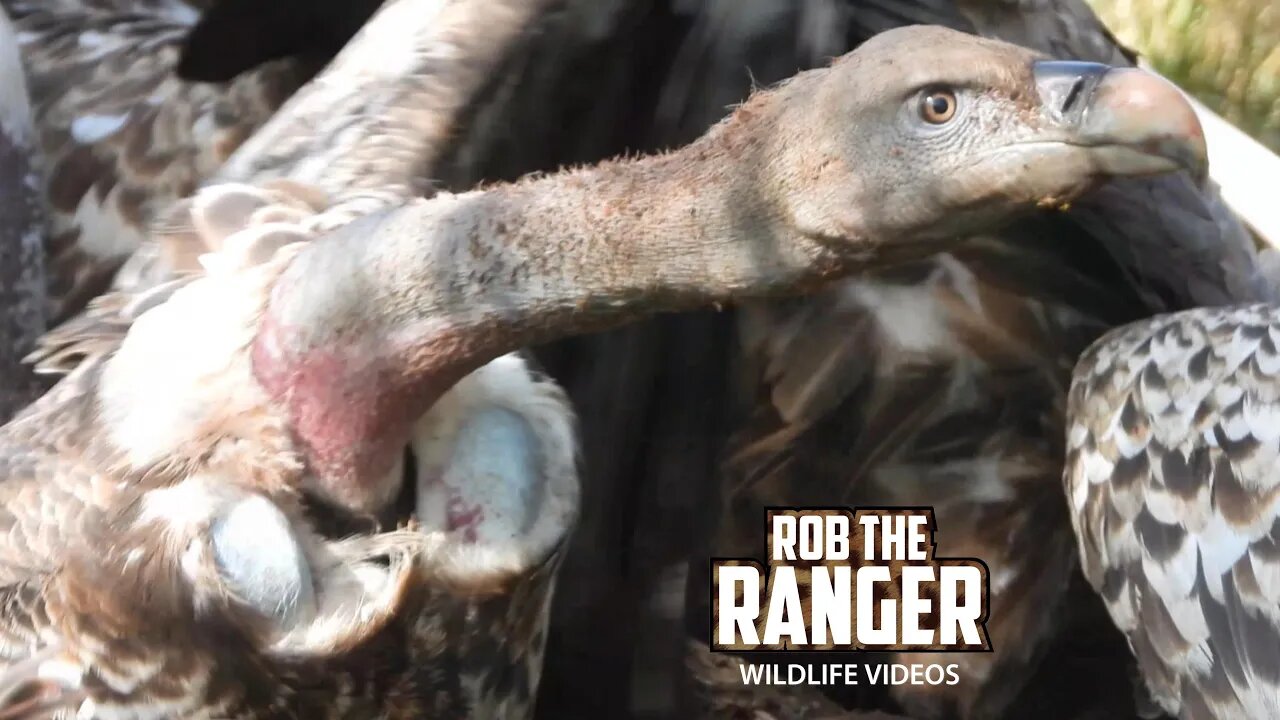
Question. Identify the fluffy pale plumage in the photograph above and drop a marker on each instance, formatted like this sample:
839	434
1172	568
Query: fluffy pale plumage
123	136
1174	488
159	557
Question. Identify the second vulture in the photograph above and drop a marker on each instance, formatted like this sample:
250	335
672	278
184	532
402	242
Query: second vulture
283	375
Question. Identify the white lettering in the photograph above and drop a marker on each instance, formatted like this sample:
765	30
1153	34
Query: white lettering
739	620
831	603
786	615
953	614
784	537
913	606
886	634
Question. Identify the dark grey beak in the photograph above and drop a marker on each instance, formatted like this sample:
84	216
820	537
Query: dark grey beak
1137	122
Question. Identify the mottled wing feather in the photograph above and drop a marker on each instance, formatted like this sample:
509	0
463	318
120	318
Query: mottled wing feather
123	137
1173	477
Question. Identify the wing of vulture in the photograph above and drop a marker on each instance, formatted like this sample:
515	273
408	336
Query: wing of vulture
21	228
1173	487
123	135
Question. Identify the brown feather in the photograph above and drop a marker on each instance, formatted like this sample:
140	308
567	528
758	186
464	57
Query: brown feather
123	137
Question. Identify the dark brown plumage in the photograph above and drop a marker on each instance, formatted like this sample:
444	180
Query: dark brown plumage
233	37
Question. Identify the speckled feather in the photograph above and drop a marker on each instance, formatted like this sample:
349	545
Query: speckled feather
122	135
1174	488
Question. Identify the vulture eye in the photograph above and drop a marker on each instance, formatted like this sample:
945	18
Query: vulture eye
938	106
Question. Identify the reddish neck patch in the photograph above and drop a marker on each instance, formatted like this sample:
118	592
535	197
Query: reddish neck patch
350	409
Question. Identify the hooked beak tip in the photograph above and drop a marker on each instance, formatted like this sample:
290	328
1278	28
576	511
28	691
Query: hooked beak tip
1138	122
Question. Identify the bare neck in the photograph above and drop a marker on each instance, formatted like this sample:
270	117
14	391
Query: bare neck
414	299
594	248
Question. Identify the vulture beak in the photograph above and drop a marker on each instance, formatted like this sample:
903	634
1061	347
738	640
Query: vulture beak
1134	122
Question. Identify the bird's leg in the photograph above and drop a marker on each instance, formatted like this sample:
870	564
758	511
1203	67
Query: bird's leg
260	559
496	463
490	484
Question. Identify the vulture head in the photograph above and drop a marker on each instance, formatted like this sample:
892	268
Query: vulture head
165	546
924	131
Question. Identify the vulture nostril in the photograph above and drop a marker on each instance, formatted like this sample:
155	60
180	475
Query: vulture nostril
1073	94
1066	87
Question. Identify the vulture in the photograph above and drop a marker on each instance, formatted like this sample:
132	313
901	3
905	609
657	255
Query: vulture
200	582
21	230
1172	482
178	509
943	381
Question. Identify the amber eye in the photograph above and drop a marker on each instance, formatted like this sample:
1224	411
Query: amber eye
938	106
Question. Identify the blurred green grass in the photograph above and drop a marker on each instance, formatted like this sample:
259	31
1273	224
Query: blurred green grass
1225	52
